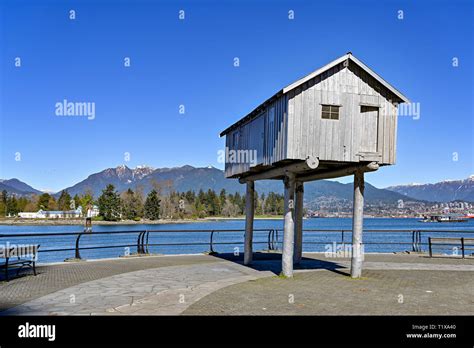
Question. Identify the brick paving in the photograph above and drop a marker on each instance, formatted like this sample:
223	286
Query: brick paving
392	284
56	277
157	291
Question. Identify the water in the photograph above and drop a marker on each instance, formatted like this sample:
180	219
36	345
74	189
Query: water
312	241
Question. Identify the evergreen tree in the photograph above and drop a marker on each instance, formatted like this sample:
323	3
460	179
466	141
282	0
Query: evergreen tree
190	196
200	209
64	201
212	203
44	201
132	206
22	203
4	197
239	201
3	203
152	206
77	202
222	198
109	204
12	206
201	197
85	200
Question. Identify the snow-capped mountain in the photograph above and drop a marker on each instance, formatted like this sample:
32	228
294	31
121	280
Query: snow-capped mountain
122	177
443	191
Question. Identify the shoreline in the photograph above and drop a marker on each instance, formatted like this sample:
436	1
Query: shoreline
80	222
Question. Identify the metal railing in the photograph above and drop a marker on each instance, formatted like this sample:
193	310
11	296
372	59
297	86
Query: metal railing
142	244
273	238
455	243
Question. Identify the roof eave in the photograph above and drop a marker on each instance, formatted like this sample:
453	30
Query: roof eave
312	75
249	116
387	85
338	61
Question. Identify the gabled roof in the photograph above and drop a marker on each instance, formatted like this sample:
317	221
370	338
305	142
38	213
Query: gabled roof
347	56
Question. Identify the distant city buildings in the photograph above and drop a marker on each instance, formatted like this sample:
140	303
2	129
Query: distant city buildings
330	207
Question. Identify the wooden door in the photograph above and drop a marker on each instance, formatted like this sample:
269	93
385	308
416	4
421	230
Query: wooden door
369	124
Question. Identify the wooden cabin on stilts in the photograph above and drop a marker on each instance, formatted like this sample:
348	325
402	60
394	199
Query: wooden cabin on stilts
339	120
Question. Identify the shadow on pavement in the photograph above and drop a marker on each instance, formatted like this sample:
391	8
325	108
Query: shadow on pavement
265	261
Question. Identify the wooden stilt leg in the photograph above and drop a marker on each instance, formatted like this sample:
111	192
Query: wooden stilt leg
249	211
298	223
289	228
357	225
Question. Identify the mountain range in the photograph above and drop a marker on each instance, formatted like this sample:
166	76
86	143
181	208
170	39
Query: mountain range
187	177
17	187
444	191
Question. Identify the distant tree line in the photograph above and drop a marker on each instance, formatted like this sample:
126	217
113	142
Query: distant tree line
132	205
11	205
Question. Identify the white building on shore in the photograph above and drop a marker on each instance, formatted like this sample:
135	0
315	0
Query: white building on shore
58	214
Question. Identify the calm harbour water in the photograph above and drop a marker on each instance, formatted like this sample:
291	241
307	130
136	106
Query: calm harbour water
234	238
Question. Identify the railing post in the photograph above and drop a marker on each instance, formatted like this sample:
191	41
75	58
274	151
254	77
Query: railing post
269	240
147	235
143	242
429	242
419	242
462	246
78	255
139	249
275	239
211	246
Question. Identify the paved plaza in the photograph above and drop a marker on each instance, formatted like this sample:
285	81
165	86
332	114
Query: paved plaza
221	285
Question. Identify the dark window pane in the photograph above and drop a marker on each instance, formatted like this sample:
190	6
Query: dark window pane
330	112
367	108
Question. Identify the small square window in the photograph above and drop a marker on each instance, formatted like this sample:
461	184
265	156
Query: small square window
330	112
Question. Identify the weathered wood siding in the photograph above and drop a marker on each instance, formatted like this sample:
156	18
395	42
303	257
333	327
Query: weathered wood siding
291	126
265	136
346	139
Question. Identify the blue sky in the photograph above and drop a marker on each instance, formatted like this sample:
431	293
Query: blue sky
190	62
